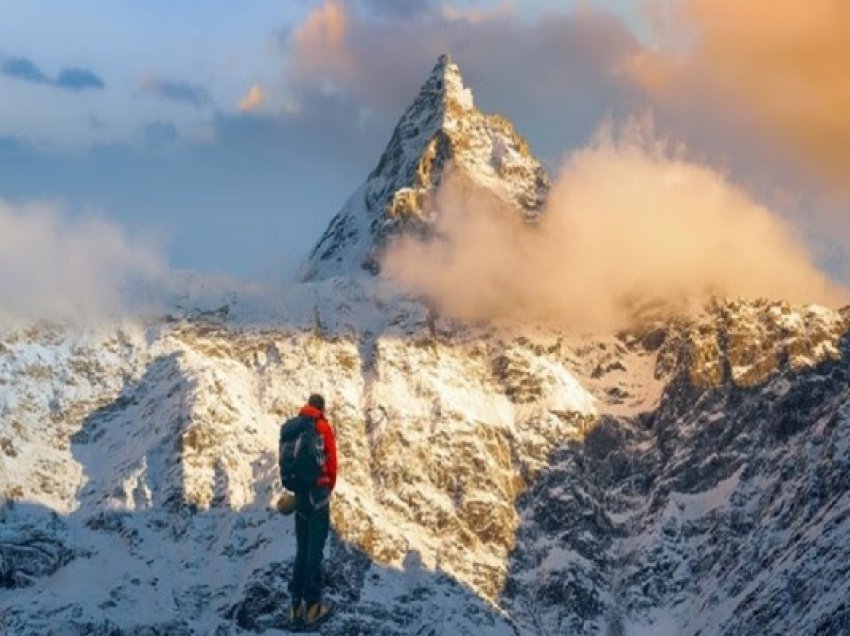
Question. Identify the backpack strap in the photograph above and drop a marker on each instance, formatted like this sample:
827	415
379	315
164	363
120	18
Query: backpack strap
321	503
294	427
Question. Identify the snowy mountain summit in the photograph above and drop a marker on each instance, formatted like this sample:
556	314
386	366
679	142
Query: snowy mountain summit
441	133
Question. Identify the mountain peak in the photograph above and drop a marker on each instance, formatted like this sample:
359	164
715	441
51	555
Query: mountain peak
446	82
440	132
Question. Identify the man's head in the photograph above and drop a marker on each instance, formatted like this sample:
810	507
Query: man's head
317	402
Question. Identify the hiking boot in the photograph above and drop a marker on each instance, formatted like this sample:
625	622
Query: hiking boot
296	613
317	613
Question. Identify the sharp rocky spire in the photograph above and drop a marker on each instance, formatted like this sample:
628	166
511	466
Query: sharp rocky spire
440	131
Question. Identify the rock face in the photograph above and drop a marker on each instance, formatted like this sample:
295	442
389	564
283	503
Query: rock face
491	481
184	455
719	510
441	133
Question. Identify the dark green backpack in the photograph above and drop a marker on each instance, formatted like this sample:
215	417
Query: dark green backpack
301	453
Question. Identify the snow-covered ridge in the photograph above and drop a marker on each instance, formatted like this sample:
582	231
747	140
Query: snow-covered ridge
126	431
491	480
441	132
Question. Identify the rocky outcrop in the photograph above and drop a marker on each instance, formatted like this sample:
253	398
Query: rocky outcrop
714	512
747	343
32	549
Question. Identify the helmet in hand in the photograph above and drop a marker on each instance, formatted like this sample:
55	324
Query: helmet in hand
286	503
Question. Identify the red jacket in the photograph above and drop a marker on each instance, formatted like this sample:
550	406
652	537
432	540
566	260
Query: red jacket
328	474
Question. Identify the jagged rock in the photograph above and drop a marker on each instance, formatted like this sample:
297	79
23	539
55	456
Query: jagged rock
441	133
28	557
107	628
746	343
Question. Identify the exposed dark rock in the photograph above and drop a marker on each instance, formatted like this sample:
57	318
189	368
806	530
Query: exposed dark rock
29	554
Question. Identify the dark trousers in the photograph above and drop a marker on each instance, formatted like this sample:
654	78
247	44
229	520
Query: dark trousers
312	520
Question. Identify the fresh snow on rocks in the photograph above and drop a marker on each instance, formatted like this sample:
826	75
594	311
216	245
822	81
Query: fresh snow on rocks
491	480
440	133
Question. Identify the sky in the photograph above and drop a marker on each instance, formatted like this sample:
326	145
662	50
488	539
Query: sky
224	137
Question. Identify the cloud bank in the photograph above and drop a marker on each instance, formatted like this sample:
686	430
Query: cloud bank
630	222
729	79
56	267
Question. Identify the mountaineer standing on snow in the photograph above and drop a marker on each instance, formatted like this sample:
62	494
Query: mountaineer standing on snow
308	469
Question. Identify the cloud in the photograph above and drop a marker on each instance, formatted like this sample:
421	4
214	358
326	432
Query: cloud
253	100
23	69
630	222
56	267
78	79
559	76
319	42
73	79
188	189
779	67
179	91
398	8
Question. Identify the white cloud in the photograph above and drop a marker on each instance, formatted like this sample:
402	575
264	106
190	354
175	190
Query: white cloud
52	266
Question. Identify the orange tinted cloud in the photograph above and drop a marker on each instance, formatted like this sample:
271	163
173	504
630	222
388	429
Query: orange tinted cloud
319	42
380	63
253	100
786	65
628	222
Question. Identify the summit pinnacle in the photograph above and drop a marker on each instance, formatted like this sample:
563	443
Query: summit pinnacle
446	83
440	132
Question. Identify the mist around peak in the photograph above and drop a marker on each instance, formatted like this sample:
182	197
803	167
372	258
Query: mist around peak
630	221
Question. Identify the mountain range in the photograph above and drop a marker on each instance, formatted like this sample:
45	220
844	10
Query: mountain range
687	475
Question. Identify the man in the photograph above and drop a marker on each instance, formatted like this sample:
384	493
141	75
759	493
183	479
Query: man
312	518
